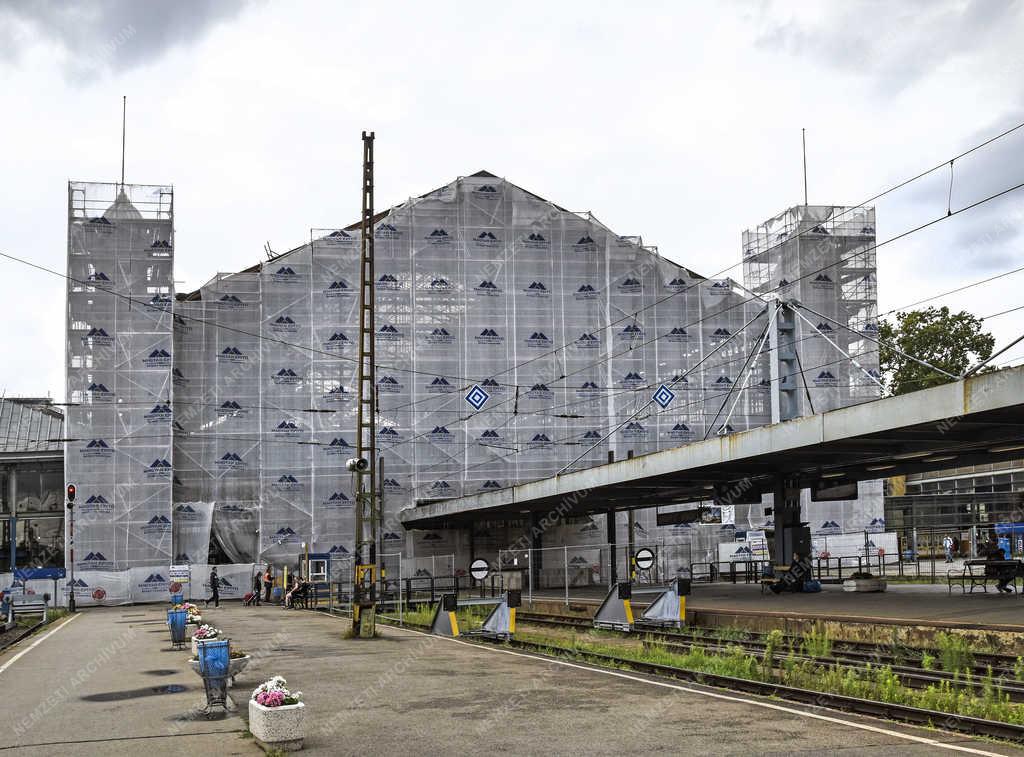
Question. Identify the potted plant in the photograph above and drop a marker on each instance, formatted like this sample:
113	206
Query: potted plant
238	662
277	716
203	633
863	581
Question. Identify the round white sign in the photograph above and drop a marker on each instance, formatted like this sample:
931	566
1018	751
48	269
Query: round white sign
479	570
644	558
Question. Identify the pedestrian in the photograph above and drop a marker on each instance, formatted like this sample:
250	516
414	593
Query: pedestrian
214	589
947	544
257	589
268	585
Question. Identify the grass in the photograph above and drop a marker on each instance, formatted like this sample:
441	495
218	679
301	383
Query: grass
875	683
816	642
29	620
955	653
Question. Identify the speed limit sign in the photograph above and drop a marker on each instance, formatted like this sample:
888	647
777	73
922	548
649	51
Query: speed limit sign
644	559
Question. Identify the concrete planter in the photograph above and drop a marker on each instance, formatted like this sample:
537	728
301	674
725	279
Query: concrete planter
864	584
278	727
196	642
235	666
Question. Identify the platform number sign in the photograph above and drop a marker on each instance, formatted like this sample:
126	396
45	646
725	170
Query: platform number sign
644	559
664	396
477	397
479	570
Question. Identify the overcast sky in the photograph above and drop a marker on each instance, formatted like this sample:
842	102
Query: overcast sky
679	124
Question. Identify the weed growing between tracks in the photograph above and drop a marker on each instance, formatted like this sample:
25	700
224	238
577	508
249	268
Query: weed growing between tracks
877	683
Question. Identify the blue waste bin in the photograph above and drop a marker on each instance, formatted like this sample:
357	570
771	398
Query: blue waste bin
176	620
177	599
214	661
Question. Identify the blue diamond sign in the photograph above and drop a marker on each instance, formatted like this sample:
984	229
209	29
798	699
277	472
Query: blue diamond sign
664	396
477	397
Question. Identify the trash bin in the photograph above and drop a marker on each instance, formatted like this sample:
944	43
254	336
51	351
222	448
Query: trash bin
176	620
214	662
177	599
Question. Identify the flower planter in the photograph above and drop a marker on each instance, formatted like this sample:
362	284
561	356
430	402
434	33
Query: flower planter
864	584
196	642
278	727
235	666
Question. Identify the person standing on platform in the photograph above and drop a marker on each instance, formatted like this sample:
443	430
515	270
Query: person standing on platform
947	544
268	585
257	589
214	589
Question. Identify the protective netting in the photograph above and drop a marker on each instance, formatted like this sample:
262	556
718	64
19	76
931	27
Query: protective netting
478	283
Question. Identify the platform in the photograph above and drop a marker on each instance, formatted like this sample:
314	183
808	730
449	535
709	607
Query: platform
405	693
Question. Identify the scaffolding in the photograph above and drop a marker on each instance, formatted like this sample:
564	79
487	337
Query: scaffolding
478	284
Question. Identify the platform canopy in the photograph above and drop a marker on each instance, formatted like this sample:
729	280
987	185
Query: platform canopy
966	422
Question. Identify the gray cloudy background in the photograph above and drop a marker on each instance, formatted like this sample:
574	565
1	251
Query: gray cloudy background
677	123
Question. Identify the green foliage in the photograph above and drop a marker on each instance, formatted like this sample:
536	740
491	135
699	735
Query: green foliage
951	341
816	642
927	662
1018	669
954	652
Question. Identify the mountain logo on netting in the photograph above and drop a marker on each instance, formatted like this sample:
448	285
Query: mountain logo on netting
722	382
389	385
539	441
589	437
337	500
392	485
96	504
784	285
535	241
287	483
231	461
587	341
96	448
178	378
870	329
489	336
97	337
719	334
96	561
187	514
161	244
725	429
492	387
230	408
99	393
386	231
631	332
490	485
338	393
338	288
442	488
100	280
585	244
538	339
285	535
232	355
537	289
822	281
826	379
439	385
158	469
158	525
588	389
586	292
876	525
679	382
159	414
389	435
440	335
487	288
681	433
286	428
589	527
635	431
338	446
99	225
486	192
182	325
486	240
388	281
229	302
338	238
540	392
439	238
441	435
489	436
284	325
677	334
286	376
158	358
285	275
721	287
824	329
154	583
337	549
676	285
631	380
829	526
872	373
158	303
388	333
630	285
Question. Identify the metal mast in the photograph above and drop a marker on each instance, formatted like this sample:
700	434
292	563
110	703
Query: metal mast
364	468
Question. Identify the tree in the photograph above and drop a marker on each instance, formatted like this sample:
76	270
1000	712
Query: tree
951	341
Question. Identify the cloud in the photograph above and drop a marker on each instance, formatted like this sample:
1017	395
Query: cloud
110	35
896	46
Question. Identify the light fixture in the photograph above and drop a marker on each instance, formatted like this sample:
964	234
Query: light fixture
1007	448
910	455
880	467
941	458
832	475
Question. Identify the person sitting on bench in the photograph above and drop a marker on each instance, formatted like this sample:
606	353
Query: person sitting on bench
793	579
1002	573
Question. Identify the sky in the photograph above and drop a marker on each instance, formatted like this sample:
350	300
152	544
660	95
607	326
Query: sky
680	123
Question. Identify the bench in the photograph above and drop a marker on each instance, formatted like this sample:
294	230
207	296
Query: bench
978	573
